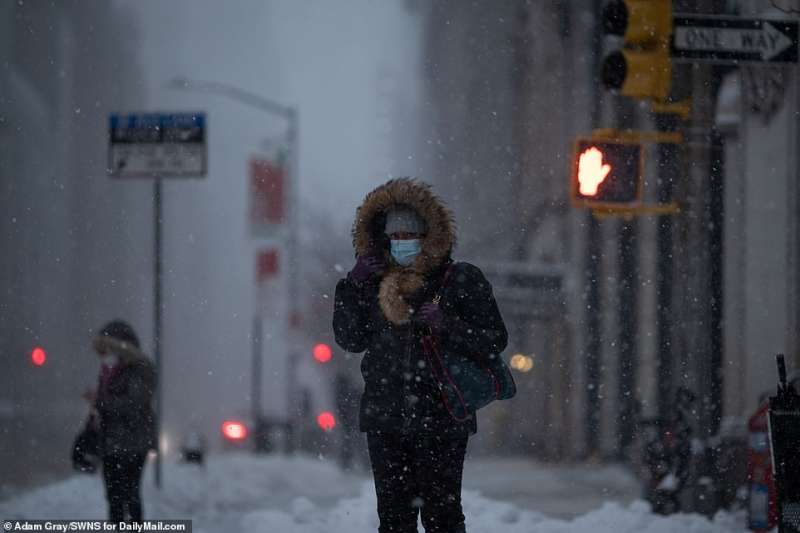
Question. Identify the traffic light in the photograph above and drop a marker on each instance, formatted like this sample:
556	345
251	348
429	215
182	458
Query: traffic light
642	68
322	353
234	430
38	356
607	173
326	420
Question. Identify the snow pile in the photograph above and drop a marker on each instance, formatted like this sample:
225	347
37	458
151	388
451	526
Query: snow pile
237	483
301	494
357	515
226	488
558	490
77	497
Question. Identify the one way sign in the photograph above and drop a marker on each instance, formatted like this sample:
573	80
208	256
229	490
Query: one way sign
734	40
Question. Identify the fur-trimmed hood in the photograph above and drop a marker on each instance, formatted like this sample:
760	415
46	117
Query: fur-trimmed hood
127	351
399	282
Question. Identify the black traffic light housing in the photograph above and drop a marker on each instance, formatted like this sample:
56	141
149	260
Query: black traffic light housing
642	68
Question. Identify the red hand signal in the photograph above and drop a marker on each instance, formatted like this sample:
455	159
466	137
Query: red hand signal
591	171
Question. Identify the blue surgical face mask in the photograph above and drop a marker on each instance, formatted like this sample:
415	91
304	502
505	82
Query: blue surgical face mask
405	251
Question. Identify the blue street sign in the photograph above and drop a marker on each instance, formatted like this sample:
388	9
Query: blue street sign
157	144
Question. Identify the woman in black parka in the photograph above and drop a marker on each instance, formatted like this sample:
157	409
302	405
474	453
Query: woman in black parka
403	236
123	399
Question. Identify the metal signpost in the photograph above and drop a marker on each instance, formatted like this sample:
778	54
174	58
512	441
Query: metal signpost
734	40
157	145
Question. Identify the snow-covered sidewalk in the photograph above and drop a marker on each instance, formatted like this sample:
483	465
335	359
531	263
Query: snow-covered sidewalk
273	494
557	490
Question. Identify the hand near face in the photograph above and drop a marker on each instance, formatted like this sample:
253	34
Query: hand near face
367	267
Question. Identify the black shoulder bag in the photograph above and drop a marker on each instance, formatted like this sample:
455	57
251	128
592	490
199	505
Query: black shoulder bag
466	383
86	448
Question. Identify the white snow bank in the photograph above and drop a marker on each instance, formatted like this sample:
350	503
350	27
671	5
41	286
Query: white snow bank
357	515
561	491
301	494
229	484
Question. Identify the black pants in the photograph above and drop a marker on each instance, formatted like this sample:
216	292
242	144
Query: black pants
418	473
122	474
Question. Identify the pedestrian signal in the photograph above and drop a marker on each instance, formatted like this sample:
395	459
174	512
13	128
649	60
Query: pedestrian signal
606	173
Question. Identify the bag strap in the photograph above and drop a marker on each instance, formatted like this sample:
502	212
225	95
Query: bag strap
434	357
441	375
438	296
445	278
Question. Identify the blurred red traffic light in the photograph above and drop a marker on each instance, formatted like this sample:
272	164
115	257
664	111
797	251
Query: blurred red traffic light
322	353
38	356
326	420
234	430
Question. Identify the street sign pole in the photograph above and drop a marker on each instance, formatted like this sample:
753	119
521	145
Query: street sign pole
256	381
292	394
158	279
157	145
592	347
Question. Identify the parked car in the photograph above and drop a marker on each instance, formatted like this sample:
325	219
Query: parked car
193	448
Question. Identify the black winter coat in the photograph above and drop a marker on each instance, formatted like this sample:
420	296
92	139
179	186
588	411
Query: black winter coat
127	420
400	393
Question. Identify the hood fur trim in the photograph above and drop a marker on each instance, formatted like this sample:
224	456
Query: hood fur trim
125	350
370	217
395	286
368	239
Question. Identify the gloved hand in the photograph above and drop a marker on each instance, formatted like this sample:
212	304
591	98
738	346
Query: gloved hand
432	315
366	267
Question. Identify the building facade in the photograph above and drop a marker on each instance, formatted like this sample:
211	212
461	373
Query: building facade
702	299
75	245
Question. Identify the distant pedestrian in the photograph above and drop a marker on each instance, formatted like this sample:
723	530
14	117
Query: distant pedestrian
403	237
127	423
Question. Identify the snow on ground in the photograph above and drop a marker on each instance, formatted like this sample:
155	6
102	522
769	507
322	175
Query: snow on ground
301	494
557	490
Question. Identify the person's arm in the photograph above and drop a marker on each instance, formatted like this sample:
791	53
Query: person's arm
136	397
352	327
471	321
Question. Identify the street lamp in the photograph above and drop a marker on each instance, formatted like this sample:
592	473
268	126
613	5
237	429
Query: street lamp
289	113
